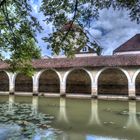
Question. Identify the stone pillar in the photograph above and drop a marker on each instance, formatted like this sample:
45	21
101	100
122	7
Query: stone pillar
11	82
62	89
11	88
35	84
131	91
94	90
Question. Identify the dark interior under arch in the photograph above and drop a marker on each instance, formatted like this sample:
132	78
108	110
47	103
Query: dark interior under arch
78	81
112	82
49	82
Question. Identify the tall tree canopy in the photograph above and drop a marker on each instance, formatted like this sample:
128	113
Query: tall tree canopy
18	27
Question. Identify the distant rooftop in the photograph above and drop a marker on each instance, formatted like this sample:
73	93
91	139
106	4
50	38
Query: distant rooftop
71	26
132	46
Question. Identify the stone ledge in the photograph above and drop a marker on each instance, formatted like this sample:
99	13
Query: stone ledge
110	97
23	93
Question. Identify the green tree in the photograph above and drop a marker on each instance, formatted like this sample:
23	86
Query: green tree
18	27
18	34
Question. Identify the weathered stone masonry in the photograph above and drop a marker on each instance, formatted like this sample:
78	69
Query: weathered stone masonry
91	81
85	75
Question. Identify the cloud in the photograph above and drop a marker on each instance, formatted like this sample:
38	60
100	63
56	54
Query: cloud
115	28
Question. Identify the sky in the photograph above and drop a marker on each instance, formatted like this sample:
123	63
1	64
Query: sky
111	29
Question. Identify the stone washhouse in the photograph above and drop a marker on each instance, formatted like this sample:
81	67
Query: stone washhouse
86	75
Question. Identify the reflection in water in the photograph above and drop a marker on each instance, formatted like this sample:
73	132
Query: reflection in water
62	117
103	111
34	105
132	120
50	135
64	136
7	131
94	118
93	137
11	103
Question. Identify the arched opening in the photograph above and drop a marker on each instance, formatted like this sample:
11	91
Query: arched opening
49	82
23	83
137	82
112	82
78	81
4	81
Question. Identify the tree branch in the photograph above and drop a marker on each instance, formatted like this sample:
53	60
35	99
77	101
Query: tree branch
2	2
71	23
97	43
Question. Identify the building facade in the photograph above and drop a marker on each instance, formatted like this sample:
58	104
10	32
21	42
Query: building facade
86	75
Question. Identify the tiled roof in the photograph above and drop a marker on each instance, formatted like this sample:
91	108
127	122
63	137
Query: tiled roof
94	61
3	65
71	26
132	44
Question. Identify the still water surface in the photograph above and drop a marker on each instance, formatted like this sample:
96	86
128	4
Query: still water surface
83	119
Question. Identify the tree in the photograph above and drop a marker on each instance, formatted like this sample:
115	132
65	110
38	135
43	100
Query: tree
81	13
18	34
19	27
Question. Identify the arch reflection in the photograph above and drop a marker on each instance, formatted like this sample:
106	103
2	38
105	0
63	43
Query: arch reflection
11	103
132	122
62	111
35	105
94	117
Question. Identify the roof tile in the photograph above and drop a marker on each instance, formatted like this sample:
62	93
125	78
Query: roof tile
133	44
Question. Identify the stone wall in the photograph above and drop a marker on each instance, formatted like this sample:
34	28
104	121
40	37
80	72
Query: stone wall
4	81
23	83
49	82
138	85
112	82
78	81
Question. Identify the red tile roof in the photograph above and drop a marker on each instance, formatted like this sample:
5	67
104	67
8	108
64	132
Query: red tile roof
94	61
3	65
132	44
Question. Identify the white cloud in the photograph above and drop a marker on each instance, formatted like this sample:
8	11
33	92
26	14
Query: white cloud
116	28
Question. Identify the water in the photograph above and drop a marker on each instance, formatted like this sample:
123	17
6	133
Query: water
87	119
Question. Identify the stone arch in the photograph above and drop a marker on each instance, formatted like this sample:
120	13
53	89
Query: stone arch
78	81
23	83
49	81
121	69
4	81
136	82
113	81
69	71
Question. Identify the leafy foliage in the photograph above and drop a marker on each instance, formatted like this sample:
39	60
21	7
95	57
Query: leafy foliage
82	13
69	39
17	36
18	27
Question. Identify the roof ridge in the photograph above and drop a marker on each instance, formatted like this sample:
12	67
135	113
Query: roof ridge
132	44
